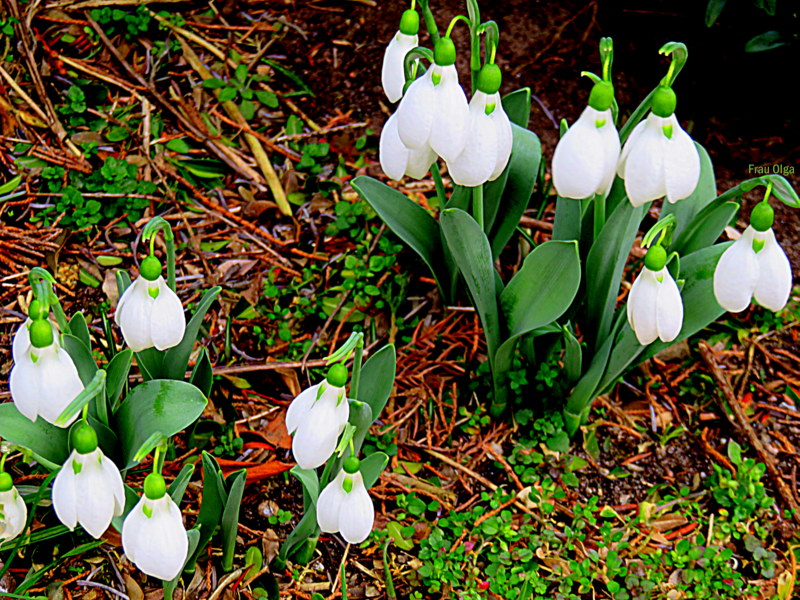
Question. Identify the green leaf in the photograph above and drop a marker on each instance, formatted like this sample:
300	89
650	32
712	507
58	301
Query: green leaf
713	10
227	93
194	544
213	83
180	145
734	452
81	356
10	185
372	467
573	356
706	228
517	105
377	379
310	482
117	134
176	360
769	40
179	484
409	221
117	371
46	441
704	194
158	406
151	363
204	167
79	328
567	223
203	373
94	389
211	508
783	190
230	517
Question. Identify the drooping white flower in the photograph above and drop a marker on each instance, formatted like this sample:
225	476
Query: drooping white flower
744	273
153	535
346	507
397	160
316	418
487	148
88	491
13	512
585	159
22	339
655	307
44	379
406	39
149	312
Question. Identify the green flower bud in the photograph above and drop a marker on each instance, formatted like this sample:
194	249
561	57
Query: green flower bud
150	268
656	258
83	437
602	96
154	486
762	217
409	23
351	465
37	310
444	52
41	333
337	375
489	79
6	483
664	101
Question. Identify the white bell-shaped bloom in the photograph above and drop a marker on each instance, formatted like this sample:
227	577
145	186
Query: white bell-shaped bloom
349	513
316	418
397	160
13	514
88	490
22	339
655	307
434	112
743	274
488	144
585	159
153	537
659	159
392	74
150	314
43	381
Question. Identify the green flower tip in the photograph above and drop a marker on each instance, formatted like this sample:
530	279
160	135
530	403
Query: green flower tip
489	79
6	483
409	23
602	96
656	258
83	438
444	52
351	465
41	333
37	310
664	102
154	486
337	375
150	268
762	217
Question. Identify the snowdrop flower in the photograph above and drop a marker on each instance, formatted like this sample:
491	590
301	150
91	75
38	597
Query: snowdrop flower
149	312
655	307
754	266
659	158
44	379
153	536
585	159
344	506
434	109
13	512
397	160
488	144
88	489
393	75
316	418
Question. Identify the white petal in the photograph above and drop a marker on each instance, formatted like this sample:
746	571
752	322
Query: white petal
681	163
158	545
415	112
392	153
642	309
167	323
774	275
22	340
133	315
298	409
579	158
65	494
644	167
505	136
632	140
477	160
669	313
97	505
60	384
25	388
449	126
113	479
420	161
329	504
343	412
736	274
358	513
133	531
12	506
315	438
392	75
611	147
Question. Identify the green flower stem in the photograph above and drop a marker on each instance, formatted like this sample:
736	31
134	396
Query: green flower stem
477	204
430	21
357	359
441	194
411	62
43	284
599	203
149	232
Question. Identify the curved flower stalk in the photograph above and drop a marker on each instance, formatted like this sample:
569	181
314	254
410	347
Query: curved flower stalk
487	147
345	507
44	379
88	490
754	267
153	535
149	313
406	39
655	307
585	159
659	158
13	512
316	418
